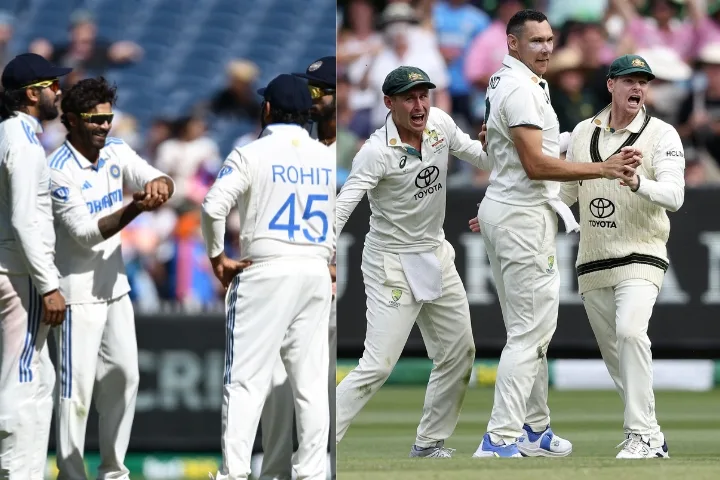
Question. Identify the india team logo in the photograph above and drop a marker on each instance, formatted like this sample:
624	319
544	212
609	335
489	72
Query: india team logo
115	171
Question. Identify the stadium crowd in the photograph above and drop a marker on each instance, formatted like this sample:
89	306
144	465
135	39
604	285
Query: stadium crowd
460	43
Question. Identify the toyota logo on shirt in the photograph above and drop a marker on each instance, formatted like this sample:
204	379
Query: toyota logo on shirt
427	176
601	207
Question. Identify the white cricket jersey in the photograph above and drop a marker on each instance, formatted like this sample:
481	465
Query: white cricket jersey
406	193
27	237
517	97
284	185
92	268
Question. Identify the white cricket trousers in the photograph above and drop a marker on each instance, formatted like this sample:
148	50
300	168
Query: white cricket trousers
445	327
277	415
520	244
26	381
277	307
619	317
97	358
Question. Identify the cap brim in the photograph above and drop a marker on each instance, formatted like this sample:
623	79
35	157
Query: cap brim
60	71
412	85
630	71
315	79
261	91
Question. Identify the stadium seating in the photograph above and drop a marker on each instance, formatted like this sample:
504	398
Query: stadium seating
187	44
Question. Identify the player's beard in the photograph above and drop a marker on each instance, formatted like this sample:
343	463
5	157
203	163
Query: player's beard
47	109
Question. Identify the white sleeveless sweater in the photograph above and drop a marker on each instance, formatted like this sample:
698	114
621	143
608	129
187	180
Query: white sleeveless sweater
622	235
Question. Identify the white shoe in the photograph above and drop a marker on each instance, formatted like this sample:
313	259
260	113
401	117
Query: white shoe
435	451
634	447
543	444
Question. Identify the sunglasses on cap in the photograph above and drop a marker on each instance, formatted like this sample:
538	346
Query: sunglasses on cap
317	92
97	118
53	85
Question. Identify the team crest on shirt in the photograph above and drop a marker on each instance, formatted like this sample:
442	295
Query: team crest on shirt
551	264
437	142
395	294
115	171
494	82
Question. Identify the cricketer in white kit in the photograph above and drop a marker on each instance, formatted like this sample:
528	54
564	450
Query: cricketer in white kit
30	301
622	258
518	219
277	415
408	266
284	187
97	354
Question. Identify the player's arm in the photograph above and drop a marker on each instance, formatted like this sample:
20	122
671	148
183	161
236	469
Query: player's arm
569	190
143	177
525	118
24	175
368	167
668	190
462	146
233	180
70	209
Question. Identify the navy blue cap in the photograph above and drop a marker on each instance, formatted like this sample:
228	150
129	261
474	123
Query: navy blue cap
28	68
321	71
287	93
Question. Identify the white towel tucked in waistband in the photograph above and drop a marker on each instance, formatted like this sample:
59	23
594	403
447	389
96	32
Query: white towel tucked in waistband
564	212
424	275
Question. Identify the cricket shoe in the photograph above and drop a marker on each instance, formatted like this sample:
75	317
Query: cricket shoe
635	447
435	451
488	449
543	444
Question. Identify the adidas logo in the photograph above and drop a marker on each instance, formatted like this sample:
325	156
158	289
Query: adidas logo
86	185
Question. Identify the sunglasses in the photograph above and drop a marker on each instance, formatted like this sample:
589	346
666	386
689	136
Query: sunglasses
97	118
53	85
317	92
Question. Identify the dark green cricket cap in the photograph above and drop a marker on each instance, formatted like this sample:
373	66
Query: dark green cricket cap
403	79
629	64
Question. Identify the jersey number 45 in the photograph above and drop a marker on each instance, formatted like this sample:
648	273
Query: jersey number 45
291	226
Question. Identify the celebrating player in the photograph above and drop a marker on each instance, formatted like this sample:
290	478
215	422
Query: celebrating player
284	186
30	302
518	218
277	414
621	270
408	266
97	348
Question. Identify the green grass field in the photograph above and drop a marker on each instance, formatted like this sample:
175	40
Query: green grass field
378	442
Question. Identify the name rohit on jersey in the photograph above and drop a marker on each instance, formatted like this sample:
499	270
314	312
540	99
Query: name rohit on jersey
294	175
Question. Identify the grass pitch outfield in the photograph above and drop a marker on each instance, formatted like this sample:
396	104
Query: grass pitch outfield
378	442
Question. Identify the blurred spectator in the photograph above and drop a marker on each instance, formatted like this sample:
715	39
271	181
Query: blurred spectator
191	158
597	55
357	46
85	51
405	45
238	99
160	130
666	26
457	23
699	115
708	25
6	33
347	144
487	51
669	87
571	98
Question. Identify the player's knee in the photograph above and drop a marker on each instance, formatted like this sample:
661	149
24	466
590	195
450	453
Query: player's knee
631	333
